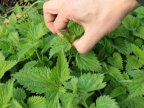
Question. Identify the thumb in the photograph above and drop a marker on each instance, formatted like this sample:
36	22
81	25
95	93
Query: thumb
88	40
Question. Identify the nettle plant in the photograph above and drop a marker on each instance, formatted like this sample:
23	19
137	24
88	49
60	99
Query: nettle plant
40	70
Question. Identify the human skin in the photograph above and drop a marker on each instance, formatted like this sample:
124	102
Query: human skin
98	17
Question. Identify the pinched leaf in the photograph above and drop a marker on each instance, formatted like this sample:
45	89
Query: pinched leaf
36	102
106	102
88	62
5	66
90	82
75	28
60	45
34	79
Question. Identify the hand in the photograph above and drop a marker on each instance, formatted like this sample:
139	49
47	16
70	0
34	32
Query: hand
98	17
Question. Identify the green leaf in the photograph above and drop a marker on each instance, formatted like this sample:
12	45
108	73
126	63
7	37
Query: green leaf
25	48
139	11
136	87
60	73
87	62
139	32
132	63
122	46
106	102
2	57
118	91
59	45
53	96
75	29
34	79
131	22
19	94
90	82
68	101
14	38
6	91
115	73
30	64
15	104
116	60
36	102
13	19
135	102
119	32
5	66
3	31
48	42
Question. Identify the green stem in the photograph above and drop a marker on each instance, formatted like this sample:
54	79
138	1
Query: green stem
38	56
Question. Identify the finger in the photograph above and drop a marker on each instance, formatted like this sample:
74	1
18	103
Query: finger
88	40
60	22
49	19
53	6
50	11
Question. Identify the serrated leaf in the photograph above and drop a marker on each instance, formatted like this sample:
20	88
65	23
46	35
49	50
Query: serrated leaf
36	102
106	102
30	64
118	91
60	45
119	32
131	22
15	104
122	46
68	101
5	66
75	29
6	91
2	57
60	73
34	79
132	63
19	94
135	102
115	73
87	62
136	87
139	32
48	42
52	97
25	48
116	60
140	10
90	82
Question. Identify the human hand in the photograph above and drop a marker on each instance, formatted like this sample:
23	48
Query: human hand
98	17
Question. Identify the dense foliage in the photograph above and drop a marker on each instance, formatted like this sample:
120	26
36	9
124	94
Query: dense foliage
40	70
